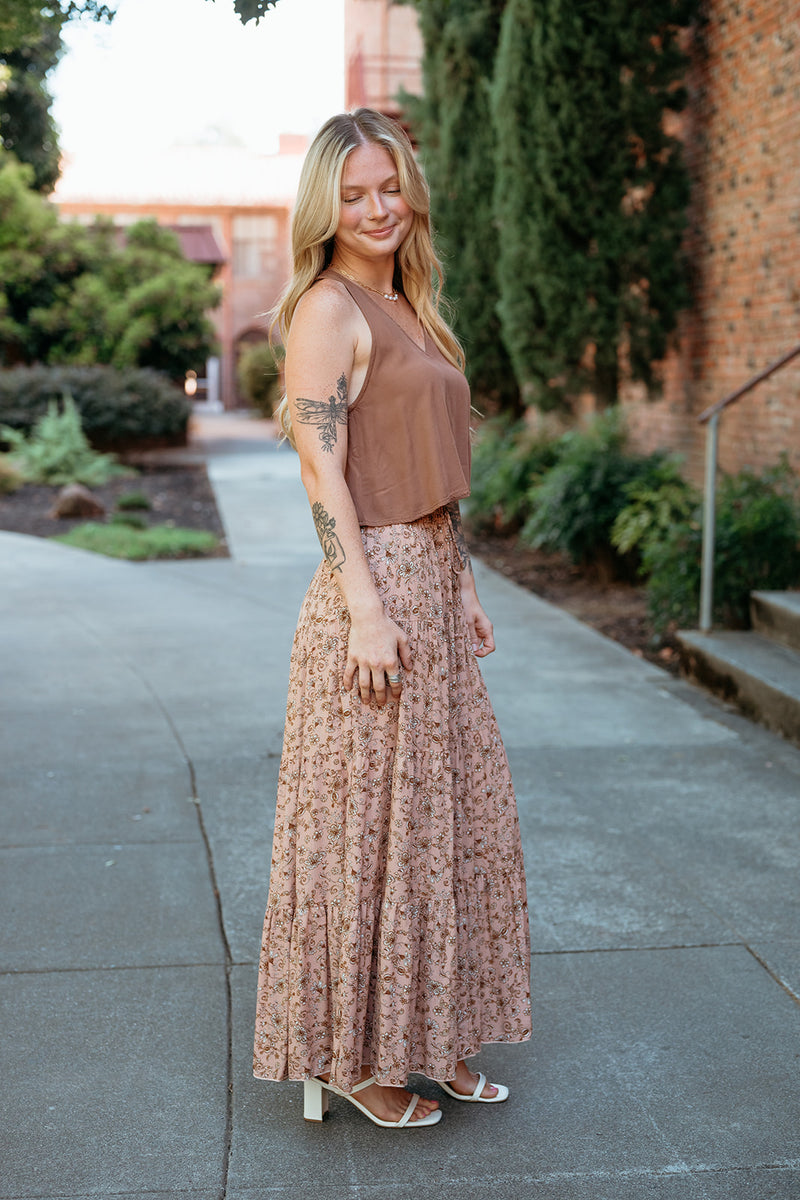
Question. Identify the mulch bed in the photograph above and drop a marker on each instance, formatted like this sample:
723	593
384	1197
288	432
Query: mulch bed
179	494
616	609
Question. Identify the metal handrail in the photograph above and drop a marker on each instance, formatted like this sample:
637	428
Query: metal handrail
711	415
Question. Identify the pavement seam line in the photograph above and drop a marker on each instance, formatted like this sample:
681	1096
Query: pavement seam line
228	957
762	962
635	949
739	938
188	966
220	921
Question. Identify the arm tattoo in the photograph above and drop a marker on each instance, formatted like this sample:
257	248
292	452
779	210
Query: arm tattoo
326	532
325	414
458	535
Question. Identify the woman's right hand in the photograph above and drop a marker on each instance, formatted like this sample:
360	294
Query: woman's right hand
376	648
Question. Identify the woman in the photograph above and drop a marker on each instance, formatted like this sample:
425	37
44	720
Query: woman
396	933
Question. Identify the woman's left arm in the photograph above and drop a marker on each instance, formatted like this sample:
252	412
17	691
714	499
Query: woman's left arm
480	627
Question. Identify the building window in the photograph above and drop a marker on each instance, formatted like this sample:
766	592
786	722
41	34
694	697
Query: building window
255	242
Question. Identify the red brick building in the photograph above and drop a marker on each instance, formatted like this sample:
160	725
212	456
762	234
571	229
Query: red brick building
383	54
743	151
230	207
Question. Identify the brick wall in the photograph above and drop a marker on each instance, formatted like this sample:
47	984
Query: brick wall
743	151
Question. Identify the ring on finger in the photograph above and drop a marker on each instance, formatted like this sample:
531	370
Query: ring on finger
394	679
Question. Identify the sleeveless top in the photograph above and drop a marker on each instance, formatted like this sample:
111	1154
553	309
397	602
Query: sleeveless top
408	447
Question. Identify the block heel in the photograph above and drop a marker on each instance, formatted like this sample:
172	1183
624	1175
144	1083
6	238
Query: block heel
315	1105
315	1100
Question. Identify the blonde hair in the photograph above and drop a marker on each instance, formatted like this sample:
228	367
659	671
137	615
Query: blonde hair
417	272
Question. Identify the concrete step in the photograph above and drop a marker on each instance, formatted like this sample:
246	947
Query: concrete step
760	676
776	615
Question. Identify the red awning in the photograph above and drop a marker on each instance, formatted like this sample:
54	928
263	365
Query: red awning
199	244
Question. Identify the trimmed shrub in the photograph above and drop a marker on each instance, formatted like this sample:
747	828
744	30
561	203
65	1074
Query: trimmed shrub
118	409
757	545
259	375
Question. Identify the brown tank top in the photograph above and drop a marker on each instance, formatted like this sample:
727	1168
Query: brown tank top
408	447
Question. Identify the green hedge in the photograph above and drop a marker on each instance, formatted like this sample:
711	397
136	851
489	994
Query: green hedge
118	409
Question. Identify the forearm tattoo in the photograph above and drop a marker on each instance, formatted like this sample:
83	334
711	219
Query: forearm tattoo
329	539
325	414
458	535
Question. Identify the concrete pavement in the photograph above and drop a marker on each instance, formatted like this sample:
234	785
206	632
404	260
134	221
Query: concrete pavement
142	709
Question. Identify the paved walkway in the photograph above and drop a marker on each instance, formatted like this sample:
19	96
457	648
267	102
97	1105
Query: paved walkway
142	709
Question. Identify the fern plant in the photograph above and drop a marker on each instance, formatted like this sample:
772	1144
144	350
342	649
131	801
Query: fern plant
507	460
658	501
57	452
574	505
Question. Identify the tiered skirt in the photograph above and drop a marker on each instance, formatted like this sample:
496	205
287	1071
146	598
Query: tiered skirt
396	931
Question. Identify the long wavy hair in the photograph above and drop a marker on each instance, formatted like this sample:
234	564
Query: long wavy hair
417	270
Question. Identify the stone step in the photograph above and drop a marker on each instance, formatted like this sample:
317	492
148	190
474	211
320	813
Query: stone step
776	615
760	676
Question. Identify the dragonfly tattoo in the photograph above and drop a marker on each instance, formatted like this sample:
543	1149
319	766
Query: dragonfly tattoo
329	539
325	414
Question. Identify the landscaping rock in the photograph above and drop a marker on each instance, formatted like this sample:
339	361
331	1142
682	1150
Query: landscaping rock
75	500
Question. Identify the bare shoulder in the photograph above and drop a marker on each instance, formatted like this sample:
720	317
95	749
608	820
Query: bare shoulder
327	307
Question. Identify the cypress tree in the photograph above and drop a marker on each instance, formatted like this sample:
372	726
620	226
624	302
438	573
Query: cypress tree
452	123
590	192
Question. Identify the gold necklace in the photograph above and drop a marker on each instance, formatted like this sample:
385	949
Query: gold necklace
393	296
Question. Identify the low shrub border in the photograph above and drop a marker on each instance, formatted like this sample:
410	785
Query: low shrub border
623	514
119	410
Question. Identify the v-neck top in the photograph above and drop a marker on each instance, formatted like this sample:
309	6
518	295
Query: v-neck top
408	447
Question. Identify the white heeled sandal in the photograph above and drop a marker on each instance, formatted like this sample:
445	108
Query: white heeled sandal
315	1105
476	1097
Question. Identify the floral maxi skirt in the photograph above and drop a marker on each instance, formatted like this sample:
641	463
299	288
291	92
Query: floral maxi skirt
396	932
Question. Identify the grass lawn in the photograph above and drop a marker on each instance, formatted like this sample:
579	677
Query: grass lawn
136	545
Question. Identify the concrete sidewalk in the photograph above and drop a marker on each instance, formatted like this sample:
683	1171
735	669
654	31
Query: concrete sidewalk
142	711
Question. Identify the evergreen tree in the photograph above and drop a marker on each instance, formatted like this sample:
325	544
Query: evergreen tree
452	123
590	191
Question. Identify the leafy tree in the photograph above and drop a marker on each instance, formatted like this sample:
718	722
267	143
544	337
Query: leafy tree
30	46
71	294
21	20
590	190
252	10
26	126
27	225
140	305
452	121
